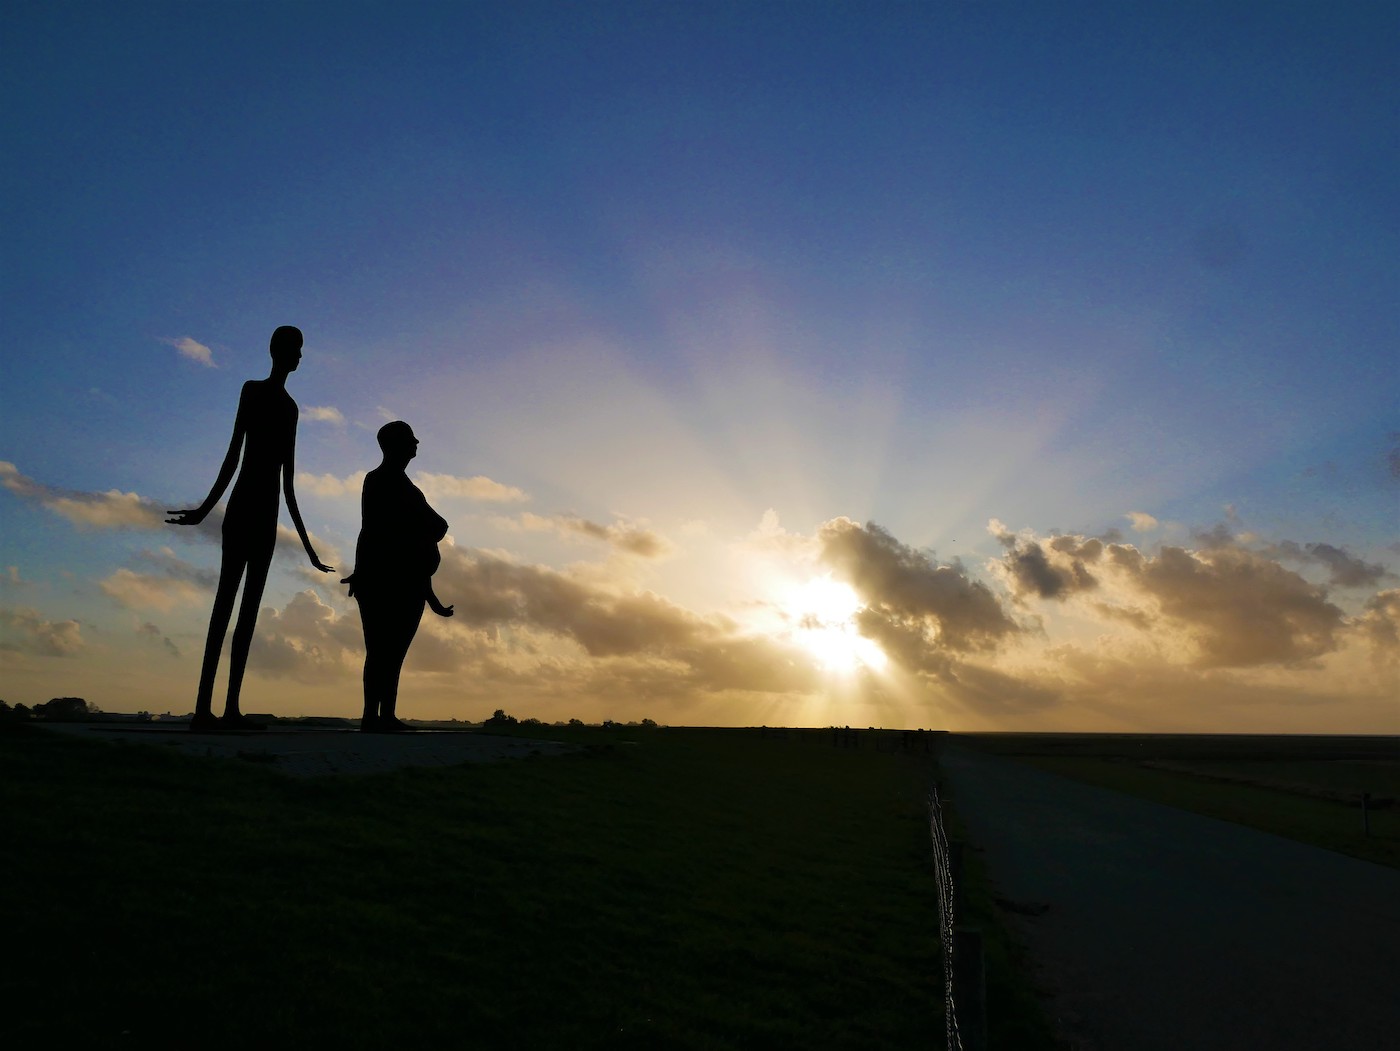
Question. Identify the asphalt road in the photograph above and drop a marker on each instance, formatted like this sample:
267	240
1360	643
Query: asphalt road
1168	930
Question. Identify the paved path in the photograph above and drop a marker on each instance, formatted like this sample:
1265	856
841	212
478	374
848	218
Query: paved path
308	753
1169	930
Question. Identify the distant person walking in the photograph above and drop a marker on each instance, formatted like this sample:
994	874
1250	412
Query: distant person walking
395	559
265	433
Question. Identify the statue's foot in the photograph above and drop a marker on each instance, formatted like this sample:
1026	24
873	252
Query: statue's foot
393	725
204	723
369	724
237	722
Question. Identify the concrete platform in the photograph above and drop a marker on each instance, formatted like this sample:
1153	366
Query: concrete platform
318	752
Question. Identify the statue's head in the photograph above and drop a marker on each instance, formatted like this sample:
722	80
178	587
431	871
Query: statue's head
398	441
285	346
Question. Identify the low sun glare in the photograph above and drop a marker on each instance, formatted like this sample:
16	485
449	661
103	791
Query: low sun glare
824	612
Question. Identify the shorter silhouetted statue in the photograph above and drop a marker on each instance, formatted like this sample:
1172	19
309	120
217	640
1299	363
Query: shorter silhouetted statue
265	432
395	559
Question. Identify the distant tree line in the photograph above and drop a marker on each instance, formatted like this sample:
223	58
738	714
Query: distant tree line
500	720
76	709
57	710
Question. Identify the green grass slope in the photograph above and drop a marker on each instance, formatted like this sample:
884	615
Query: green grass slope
683	889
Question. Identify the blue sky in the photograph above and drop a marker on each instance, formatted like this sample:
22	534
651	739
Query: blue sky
661	269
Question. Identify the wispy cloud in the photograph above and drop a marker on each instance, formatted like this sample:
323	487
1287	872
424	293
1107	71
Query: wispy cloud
1344	569
151	631
623	535
478	487
434	486
194	350
117	510
329	485
110	510
150	591
324	414
173	582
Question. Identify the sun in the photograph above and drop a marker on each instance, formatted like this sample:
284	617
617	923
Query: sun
824	612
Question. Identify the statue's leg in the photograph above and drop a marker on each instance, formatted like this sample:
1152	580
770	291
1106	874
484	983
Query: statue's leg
230	573
407	614
258	564
370	616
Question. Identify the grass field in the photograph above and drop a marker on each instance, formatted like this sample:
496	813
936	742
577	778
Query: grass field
1304	788
668	888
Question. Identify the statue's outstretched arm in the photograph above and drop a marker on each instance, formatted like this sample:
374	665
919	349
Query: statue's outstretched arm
195	515
435	604
289	470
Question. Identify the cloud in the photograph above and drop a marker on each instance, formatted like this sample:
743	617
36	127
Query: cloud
479	487
154	633
538	629
43	638
1141	521
625	536
771	537
1052	570
1218	535
434	486
323	414
307	640
912	603
1345	571
171	565
146	591
329	485
1234	607
1380	623
1135	689
490	590
193	350
117	510
1242	608
175	582
110	510
1176	625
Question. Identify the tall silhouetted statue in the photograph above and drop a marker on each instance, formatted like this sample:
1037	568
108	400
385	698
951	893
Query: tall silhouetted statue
395	559
265	433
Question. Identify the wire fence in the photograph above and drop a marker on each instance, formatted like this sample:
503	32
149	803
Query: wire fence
947	895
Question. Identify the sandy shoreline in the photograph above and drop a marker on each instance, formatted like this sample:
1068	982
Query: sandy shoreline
317	752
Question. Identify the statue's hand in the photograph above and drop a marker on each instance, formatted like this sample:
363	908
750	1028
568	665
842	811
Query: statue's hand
191	517
322	566
351	581
438	608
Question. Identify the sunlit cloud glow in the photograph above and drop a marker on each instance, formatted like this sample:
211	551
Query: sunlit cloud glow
323	414
194	351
